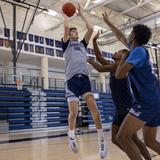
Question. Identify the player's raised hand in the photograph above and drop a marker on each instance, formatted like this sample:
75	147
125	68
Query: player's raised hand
90	60
105	17
96	35
79	9
64	15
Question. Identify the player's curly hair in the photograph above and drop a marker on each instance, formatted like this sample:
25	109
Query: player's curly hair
142	34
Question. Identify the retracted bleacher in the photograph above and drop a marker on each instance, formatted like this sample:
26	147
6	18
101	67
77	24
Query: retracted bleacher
16	106
105	106
32	109
57	108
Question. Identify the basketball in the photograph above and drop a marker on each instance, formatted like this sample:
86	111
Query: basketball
69	9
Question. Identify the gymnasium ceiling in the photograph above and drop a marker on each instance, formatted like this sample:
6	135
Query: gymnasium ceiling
123	13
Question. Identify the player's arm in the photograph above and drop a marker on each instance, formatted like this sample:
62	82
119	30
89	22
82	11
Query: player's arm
66	28
89	32
119	35
136	58
123	68
103	68
97	51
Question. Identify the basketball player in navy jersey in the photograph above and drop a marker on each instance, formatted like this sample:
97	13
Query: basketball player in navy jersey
77	81
121	93
144	85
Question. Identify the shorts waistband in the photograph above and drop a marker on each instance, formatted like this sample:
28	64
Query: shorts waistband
79	76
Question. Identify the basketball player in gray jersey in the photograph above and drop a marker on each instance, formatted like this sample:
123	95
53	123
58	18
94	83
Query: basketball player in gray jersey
77	81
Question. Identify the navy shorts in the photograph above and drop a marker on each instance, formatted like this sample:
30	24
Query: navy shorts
77	86
155	122
118	119
120	114
150	119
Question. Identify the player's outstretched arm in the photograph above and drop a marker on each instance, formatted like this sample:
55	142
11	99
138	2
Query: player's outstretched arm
89	32
123	68
103	68
66	28
97	51
119	35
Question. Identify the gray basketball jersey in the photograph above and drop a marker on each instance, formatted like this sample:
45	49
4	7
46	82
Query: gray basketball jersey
75	56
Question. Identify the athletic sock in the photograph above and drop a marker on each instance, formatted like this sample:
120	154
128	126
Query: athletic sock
100	134
71	134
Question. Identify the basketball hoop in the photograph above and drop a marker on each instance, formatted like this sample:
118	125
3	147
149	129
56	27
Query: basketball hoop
19	84
17	79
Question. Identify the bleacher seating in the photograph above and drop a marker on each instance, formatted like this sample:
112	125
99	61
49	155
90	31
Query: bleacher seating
106	108
57	110
28	109
15	106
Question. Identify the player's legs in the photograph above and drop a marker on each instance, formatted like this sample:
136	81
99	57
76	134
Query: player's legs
91	103
72	100
73	111
141	146
80	85
115	129
129	127
149	135
118	120
85	90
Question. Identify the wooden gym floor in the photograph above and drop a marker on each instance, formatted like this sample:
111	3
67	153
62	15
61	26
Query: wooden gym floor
57	148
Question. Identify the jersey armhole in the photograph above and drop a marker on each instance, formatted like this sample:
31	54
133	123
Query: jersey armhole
64	44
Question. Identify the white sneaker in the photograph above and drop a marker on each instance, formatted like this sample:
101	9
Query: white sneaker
102	149
73	144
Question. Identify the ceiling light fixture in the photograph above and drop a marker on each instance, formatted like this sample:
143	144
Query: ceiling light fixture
96	28
52	12
97	1
92	12
157	20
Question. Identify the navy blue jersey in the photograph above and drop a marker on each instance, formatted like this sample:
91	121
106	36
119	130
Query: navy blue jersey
121	93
